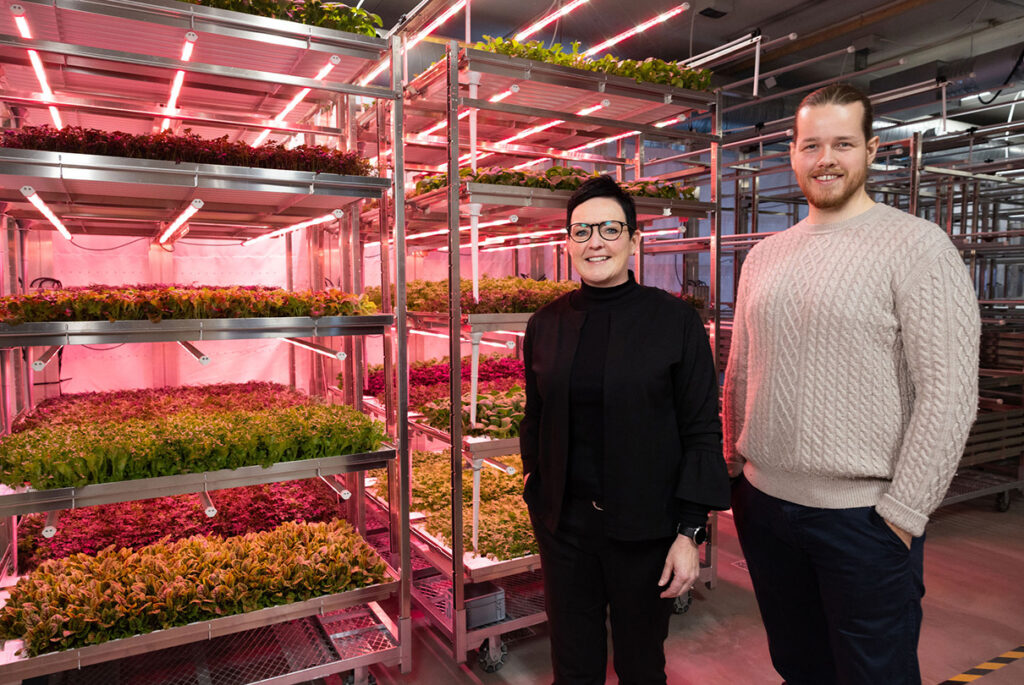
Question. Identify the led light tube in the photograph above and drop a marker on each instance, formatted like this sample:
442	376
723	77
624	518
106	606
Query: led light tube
523	35
208	507
30	194
529	132
21	21
602	141
520	247
55	115
172	101
343	493
664	16
443	231
431	27
319	349
37	66
179	78
431	334
334	61
45	357
336	214
195	352
192	208
50	527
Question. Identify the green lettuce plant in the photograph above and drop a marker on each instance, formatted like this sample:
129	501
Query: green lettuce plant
158	302
330	15
553	178
189	441
497	295
650	70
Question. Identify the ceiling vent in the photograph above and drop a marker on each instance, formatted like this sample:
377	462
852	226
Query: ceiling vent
715	9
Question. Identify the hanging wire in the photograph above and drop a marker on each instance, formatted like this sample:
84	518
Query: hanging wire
105	249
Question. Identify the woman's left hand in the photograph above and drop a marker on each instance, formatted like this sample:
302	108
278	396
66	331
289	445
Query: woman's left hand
682	565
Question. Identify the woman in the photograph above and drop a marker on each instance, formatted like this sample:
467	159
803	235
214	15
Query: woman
621	448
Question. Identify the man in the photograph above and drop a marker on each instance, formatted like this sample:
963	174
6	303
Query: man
851	386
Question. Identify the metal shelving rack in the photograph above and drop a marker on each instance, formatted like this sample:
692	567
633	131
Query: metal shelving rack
247	69
467	80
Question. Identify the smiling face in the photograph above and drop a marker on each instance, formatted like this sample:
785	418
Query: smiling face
830	158
602	263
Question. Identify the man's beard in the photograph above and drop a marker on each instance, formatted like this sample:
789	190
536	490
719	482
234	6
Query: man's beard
836	196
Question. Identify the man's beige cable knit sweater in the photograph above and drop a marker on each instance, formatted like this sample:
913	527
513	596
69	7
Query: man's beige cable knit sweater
853	371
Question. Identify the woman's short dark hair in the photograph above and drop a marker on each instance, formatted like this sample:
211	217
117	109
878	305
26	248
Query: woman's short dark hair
839	94
603	186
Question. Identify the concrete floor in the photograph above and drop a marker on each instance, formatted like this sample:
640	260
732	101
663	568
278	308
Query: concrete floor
973	611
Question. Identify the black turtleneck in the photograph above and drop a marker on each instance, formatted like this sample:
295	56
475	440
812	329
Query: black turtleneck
586	395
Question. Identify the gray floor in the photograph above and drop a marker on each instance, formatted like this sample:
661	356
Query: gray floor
973	611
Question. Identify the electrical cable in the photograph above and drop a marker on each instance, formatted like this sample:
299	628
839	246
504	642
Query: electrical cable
104	349
1020	58
105	249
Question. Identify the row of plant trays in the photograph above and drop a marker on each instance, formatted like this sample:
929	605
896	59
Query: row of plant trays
58	499
439	553
17	669
544	86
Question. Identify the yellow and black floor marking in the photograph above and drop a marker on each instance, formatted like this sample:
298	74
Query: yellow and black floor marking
982	670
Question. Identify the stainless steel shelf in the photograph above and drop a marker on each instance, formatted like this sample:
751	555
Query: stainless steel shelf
476	568
98	194
171	330
283	653
59	499
19	669
472	323
533	205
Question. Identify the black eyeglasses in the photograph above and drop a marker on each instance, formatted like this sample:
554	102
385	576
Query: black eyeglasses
609	230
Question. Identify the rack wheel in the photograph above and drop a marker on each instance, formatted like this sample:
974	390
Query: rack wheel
487	662
682	603
1003	501
350	678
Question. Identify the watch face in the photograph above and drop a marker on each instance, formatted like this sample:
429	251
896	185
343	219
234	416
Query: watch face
700	535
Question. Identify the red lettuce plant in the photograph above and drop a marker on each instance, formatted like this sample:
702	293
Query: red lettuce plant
186	147
137	524
434	371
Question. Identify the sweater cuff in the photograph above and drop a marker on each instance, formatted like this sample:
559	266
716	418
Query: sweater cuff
903	516
704	480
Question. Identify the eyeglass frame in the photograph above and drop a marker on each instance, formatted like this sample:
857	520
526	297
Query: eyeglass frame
623	228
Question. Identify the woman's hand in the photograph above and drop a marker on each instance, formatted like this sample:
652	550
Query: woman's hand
682	565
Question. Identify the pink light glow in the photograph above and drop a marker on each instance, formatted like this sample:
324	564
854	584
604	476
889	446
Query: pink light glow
431	27
497	240
186	50
192	208
664	16
525	134
520	247
172	103
602	141
23	28
444	231
55	115
441	124
33	197
336	214
299	97
431	334
534	28
504	94
37	66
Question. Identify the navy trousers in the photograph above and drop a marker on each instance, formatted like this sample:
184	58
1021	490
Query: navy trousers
590	579
839	592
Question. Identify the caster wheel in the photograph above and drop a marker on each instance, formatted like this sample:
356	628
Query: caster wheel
1003	501
682	603
350	679
488	664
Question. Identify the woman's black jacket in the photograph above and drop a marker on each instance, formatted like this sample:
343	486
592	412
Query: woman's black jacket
662	434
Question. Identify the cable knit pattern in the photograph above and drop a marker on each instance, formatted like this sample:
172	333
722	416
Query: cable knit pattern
852	378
